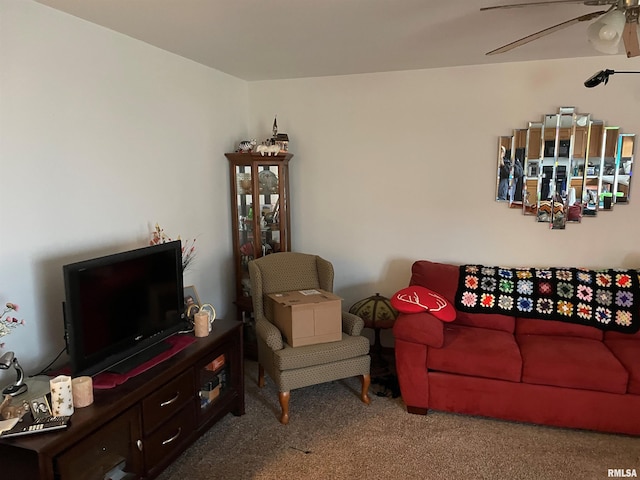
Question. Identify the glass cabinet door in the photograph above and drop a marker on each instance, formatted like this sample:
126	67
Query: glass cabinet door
268	208
244	230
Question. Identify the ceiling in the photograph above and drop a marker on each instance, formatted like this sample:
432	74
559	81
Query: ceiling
276	39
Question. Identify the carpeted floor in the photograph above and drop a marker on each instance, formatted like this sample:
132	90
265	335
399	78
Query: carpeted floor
332	435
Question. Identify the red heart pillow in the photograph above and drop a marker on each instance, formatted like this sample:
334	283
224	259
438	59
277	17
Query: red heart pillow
416	299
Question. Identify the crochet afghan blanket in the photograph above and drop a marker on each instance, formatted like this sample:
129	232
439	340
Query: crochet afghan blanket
605	299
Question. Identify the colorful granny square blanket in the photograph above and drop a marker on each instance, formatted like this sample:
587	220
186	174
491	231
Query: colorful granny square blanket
605	299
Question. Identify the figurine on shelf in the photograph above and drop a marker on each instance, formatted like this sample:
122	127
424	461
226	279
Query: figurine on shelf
268	149
268	182
246	146
282	140
247	249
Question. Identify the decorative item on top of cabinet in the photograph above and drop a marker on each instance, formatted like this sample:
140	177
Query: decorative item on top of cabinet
259	188
246	146
268	149
564	168
282	140
279	139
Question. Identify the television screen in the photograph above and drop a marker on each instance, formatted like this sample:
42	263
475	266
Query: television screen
120	305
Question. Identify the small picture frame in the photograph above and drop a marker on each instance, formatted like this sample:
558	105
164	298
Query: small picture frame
40	407
191	301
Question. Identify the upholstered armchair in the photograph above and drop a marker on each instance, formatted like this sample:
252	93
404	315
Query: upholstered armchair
296	367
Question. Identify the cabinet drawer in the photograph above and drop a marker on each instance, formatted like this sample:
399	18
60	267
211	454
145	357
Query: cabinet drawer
167	400
167	441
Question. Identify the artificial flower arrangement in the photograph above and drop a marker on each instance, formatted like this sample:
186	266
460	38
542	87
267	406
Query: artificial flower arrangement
9	322
188	247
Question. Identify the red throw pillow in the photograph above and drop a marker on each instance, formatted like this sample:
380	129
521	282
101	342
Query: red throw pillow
416	299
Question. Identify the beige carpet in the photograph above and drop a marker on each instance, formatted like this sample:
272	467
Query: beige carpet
332	435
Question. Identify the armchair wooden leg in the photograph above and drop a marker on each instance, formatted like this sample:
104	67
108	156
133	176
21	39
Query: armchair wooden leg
284	404
366	381
260	376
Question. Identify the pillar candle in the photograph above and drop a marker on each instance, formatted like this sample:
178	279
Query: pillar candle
201	324
82	390
61	396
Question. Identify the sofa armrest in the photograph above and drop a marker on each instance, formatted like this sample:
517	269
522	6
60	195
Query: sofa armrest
269	333
352	324
421	328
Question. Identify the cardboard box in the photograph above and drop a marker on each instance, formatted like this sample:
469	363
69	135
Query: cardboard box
306	317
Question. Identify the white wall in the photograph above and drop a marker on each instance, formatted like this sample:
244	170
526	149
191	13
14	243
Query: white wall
390	168
101	136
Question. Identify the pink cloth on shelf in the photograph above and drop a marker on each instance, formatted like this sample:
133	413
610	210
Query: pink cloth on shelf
106	380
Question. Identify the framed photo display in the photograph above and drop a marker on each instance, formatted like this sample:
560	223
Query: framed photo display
191	301
40	407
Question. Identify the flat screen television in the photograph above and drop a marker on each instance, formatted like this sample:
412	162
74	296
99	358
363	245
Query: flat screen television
119	309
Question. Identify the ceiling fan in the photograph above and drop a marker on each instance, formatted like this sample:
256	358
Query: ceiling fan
617	23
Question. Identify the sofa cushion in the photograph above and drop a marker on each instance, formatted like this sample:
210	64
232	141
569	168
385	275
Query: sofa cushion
484	320
610	335
628	353
479	352
571	362
443	278
531	326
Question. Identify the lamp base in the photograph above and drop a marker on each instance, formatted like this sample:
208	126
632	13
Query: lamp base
14	390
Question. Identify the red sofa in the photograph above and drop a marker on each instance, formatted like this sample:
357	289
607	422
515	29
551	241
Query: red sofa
537	371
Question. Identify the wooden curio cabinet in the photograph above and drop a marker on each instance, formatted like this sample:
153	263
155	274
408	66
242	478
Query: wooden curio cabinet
260	215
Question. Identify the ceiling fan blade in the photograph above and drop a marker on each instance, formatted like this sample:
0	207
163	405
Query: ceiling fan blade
630	39
546	31
552	2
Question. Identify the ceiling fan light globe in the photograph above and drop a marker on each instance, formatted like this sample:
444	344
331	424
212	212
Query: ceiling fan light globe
610	47
605	33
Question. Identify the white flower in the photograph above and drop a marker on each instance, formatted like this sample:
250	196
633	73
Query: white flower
8	322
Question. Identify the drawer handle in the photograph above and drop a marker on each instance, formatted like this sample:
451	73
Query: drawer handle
139	444
169	440
169	402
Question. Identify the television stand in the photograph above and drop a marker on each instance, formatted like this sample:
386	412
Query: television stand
128	364
135	430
